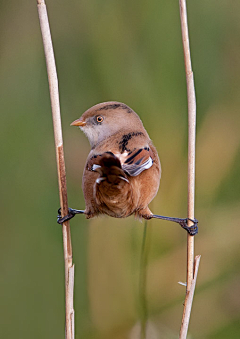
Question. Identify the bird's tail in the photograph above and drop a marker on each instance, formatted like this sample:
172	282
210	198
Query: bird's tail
110	169
113	192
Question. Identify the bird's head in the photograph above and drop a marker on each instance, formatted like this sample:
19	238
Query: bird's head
105	119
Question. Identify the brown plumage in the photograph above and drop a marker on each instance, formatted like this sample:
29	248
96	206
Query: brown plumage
122	172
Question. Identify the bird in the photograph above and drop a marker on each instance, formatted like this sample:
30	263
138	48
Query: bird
122	171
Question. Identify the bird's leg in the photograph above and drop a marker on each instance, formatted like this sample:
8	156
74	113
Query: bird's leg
71	213
192	230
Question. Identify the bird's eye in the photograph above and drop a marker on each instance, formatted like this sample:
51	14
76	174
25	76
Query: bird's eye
99	119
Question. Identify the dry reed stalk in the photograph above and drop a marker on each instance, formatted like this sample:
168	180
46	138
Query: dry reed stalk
143	280
54	96
192	265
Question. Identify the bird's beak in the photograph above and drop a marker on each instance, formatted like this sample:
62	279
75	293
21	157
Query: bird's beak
78	122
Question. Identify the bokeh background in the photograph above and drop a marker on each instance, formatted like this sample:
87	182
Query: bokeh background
128	51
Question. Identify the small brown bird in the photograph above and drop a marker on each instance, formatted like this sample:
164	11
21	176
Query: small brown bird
122	171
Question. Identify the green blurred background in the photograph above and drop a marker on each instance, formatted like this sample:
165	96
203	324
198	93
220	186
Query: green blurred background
128	51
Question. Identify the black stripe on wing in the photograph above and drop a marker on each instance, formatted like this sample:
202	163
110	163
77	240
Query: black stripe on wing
137	161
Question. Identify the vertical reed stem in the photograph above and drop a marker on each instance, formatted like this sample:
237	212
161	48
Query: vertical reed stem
143	281
191	271
54	96
191	135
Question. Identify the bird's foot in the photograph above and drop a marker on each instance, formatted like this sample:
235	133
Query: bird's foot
71	213
192	230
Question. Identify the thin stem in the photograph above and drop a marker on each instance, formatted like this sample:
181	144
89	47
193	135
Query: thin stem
54	96
191	277
191	133
143	283
188	301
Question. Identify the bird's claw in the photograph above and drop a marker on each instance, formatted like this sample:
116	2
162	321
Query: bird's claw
61	220
192	230
71	213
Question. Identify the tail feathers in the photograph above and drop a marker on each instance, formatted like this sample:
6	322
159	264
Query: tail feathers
110	170
112	190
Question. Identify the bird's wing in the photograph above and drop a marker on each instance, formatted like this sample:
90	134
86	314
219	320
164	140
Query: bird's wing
137	161
132	163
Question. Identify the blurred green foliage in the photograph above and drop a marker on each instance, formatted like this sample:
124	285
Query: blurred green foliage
129	51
